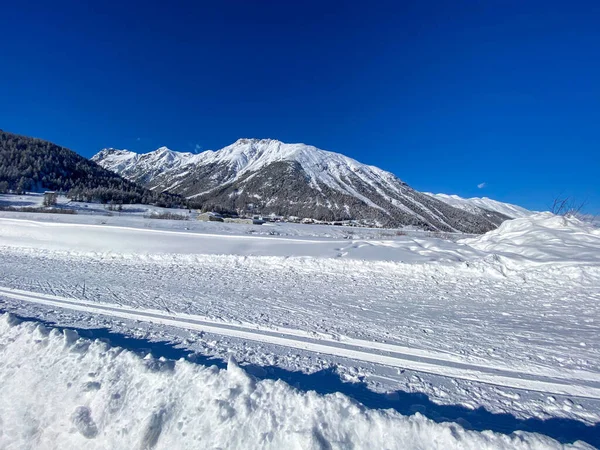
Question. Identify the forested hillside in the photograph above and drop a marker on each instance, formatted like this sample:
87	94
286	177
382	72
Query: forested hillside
30	164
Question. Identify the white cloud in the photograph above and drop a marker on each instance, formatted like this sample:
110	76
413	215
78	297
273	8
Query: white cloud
138	139
197	148
482	185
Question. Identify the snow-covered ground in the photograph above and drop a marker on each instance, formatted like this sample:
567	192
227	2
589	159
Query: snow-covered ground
498	332
140	216
61	391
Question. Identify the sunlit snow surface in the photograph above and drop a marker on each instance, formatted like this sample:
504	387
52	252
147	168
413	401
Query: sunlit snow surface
60	391
497	332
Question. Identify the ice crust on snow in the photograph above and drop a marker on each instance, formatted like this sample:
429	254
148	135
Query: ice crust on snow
87	394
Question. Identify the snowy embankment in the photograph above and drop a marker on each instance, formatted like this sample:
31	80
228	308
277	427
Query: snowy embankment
61	391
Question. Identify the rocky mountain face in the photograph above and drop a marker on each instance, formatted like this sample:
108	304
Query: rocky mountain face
268	176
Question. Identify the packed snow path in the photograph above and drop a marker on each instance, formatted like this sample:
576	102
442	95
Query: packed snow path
374	352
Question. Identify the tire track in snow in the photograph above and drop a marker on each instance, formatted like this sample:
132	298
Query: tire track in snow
588	385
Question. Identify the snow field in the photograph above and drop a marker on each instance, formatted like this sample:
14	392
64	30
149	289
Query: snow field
521	302
575	383
541	239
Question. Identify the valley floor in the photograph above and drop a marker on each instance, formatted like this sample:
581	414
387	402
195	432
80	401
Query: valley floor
489	333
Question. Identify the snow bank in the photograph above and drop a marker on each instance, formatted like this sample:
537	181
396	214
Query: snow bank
61	391
541	239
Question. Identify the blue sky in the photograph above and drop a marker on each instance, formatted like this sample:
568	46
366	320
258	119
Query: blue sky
448	95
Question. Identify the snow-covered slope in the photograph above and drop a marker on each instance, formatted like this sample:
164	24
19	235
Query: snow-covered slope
474	204
246	155
268	176
143	168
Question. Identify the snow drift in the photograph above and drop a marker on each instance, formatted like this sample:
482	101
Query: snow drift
542	238
61	391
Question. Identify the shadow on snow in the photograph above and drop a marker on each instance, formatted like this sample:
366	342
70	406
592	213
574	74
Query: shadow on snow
328	381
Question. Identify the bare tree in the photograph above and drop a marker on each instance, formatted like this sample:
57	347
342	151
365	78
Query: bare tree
566	206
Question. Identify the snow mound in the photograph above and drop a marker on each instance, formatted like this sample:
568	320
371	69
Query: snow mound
61	391
542	238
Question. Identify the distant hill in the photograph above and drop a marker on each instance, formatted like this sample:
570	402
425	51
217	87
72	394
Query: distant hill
268	176
30	164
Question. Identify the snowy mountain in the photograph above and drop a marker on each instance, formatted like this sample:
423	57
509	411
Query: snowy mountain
475	204
142	168
269	176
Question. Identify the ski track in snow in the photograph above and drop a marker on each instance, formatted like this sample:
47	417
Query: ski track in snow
355	349
103	397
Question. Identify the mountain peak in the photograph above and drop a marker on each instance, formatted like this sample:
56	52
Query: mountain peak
111	150
163	149
243	141
112	153
295	179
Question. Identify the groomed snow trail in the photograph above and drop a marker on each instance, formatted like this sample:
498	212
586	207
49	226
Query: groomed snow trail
390	355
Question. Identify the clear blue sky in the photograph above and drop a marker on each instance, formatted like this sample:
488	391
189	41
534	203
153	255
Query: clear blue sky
446	94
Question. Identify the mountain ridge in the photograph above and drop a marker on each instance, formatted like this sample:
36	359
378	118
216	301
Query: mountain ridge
293	179
508	209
